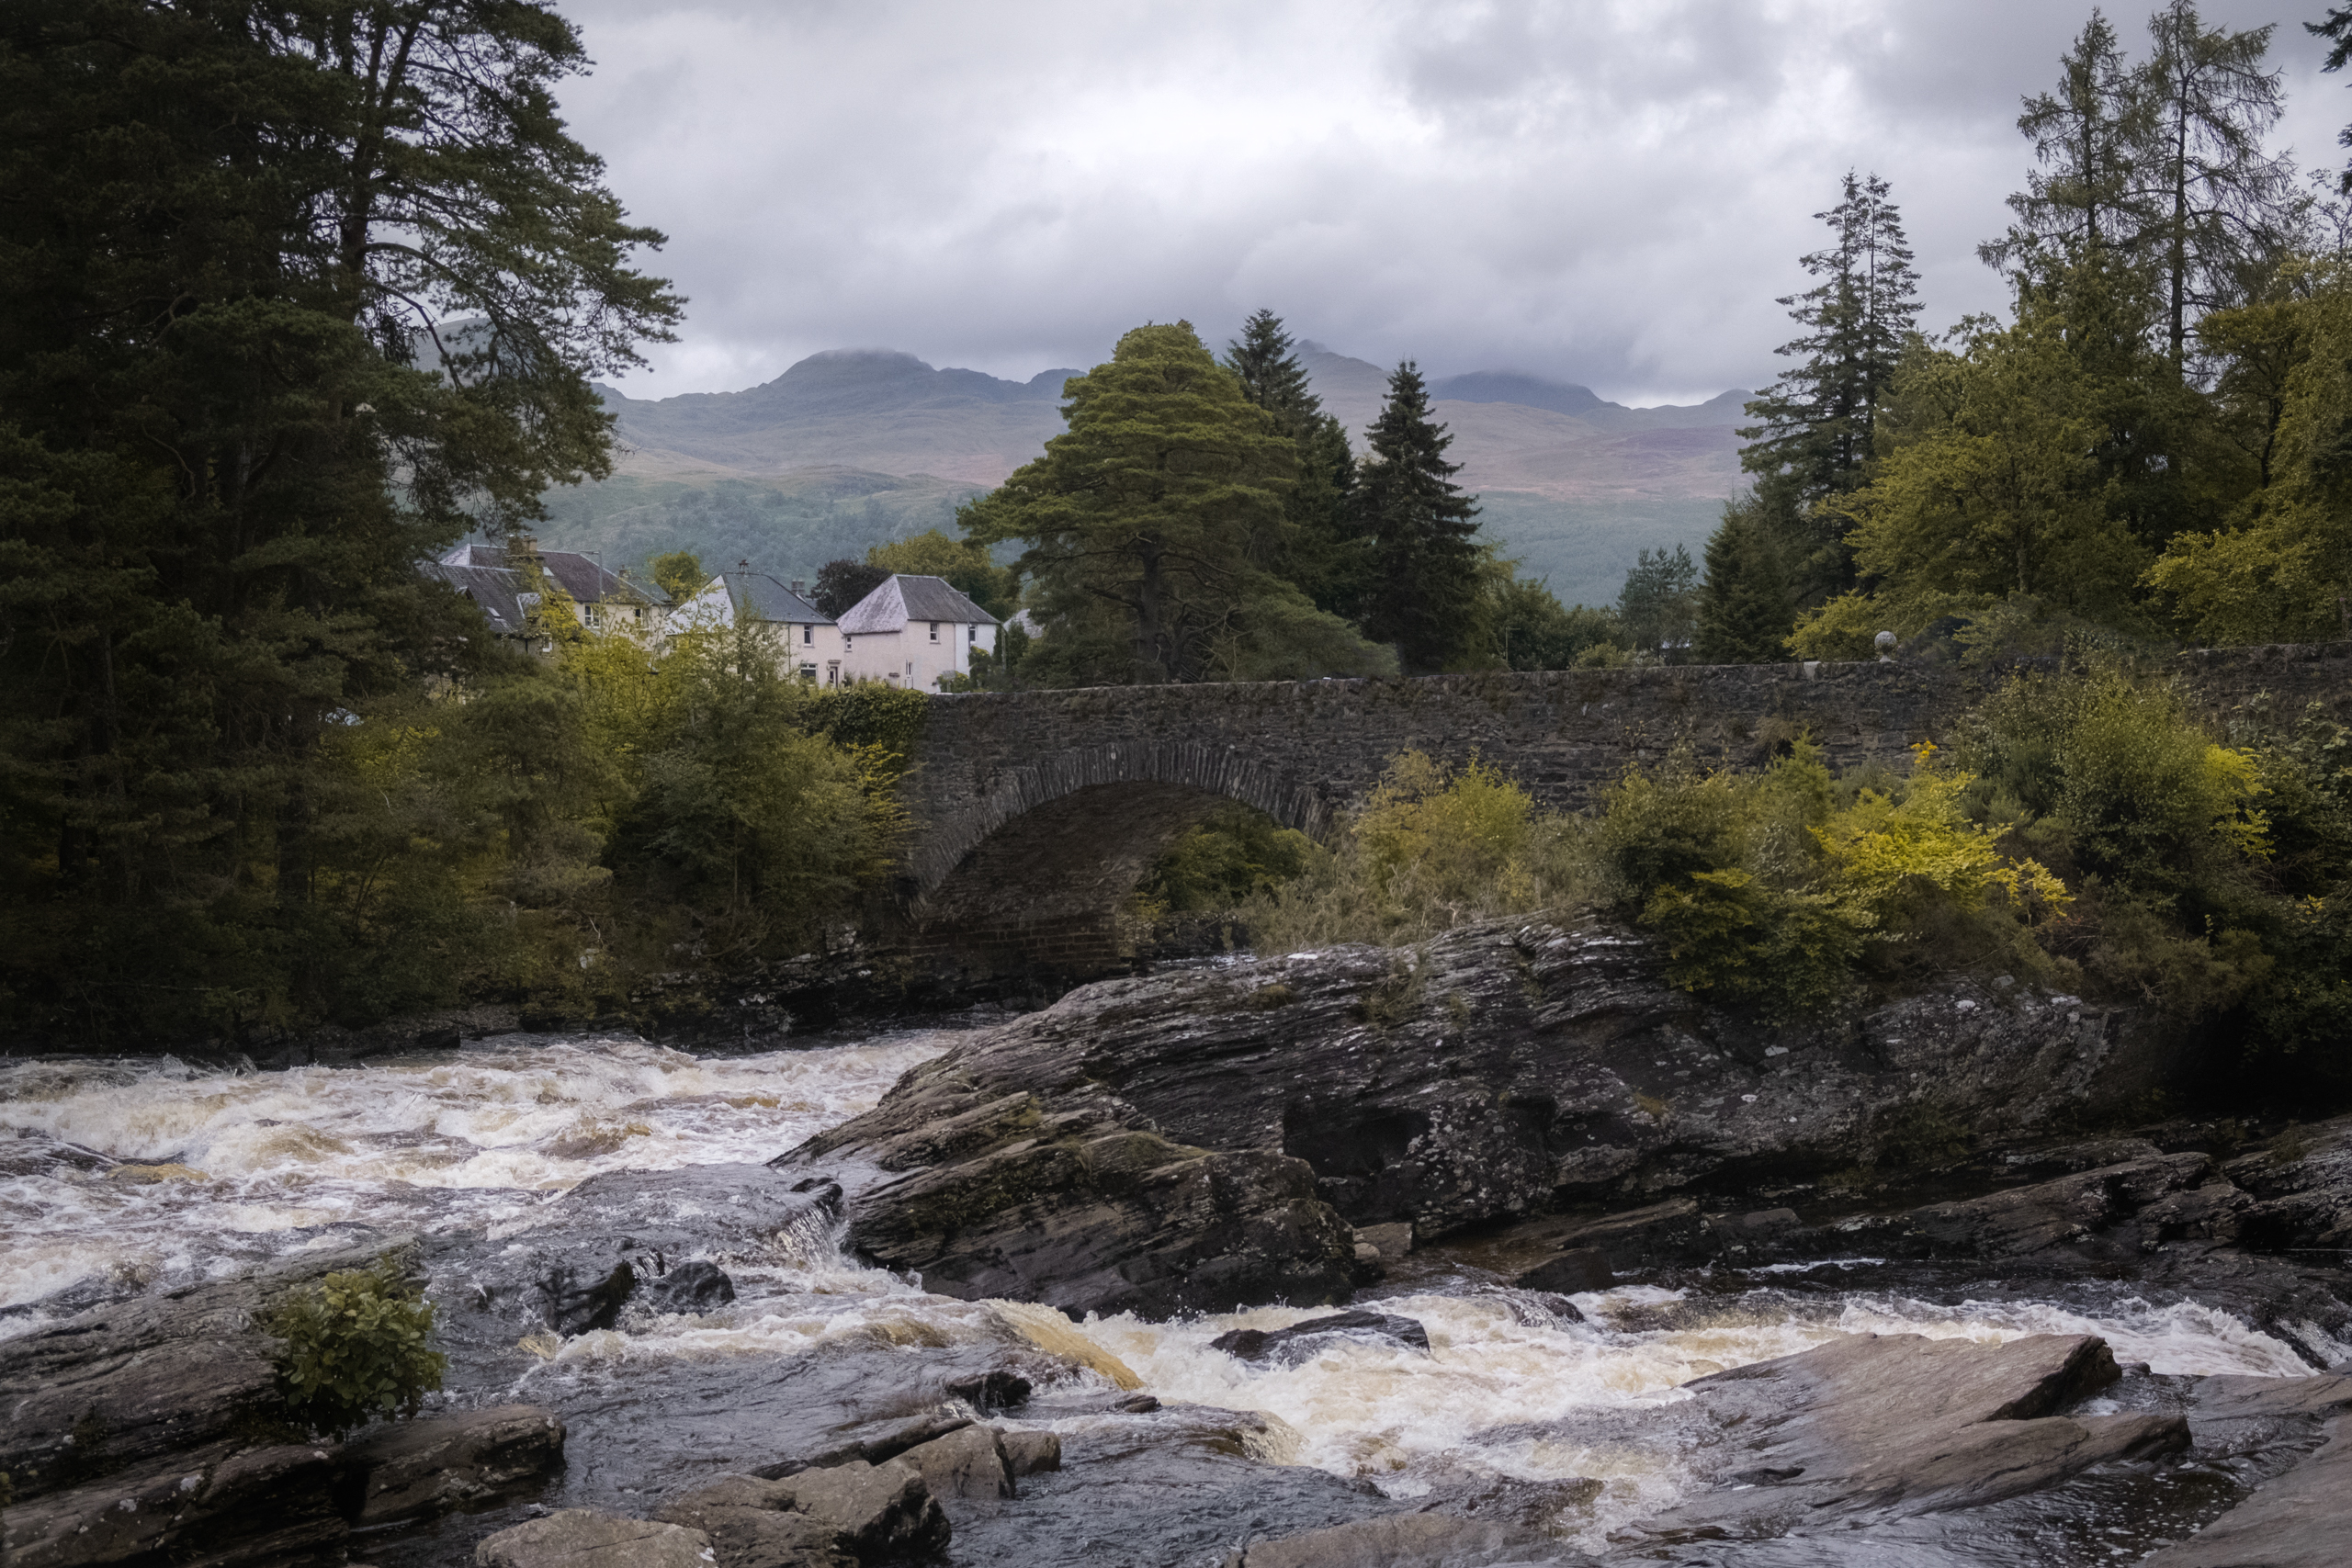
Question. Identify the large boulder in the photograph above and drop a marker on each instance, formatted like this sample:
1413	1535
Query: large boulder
583	1538
1160	1143
443	1464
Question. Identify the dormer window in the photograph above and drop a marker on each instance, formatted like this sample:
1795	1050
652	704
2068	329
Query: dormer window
935	631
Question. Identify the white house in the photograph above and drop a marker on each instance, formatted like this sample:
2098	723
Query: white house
806	642
913	631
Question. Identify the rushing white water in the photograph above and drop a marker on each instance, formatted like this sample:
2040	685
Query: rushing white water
222	1167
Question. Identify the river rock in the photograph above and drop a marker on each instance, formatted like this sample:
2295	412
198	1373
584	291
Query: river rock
140	1381
992	1177
969	1465
1577	1269
1303	1341
1876	1427
583	1538
440	1464
2298	1518
226	1503
1031	1453
869	1513
1498	1070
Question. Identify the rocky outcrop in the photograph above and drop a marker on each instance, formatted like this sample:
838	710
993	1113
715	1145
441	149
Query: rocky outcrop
445	1465
1047	1188
1308	1339
583	1538
2300	1519
1160	1143
865	1512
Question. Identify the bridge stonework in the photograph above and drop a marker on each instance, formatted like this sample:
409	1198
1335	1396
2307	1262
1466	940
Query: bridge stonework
1037	812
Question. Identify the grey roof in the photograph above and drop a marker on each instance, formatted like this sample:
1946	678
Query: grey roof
576	574
759	597
901	599
496	590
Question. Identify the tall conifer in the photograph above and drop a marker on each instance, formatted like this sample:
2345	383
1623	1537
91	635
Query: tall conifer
1424	570
1313	553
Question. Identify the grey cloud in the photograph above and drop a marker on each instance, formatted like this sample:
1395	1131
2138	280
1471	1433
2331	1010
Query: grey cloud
1613	194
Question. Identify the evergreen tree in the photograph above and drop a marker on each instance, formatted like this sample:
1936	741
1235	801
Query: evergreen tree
2088	136
1745	606
1659	604
1313	553
1424	576
222	230
840	584
2219	211
1148	522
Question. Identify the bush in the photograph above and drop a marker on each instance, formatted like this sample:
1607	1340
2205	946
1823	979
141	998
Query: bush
355	1348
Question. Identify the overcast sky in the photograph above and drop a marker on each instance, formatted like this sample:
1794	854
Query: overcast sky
1611	193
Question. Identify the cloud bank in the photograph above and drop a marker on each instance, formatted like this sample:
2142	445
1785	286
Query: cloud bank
1613	192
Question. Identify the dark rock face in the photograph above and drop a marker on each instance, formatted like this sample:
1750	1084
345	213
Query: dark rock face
445	1464
1160	1143
1299	1341
1577	1269
121	1385
225	1504
1875	1427
1020	1179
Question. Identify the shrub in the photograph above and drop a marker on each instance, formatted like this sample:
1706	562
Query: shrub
355	1348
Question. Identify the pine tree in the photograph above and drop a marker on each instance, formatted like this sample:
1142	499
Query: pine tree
1424	578
1659	604
1313	553
1815	423
223	228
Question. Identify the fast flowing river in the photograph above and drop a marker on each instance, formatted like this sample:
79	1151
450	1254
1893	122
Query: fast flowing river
206	1171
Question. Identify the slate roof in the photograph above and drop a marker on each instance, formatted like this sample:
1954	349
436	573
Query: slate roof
901	599
760	597
576	574
496	590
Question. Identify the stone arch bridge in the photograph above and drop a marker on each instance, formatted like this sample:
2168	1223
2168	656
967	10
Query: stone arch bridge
1038	812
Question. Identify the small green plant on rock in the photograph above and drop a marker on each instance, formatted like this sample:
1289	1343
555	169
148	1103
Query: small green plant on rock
355	1348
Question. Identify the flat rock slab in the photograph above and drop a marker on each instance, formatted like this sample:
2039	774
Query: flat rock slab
440	1464
224	1504
2302	1519
583	1538
1898	1424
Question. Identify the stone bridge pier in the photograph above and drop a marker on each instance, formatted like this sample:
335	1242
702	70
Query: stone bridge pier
1037	812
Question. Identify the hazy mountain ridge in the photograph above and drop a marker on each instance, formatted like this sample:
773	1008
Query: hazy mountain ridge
851	447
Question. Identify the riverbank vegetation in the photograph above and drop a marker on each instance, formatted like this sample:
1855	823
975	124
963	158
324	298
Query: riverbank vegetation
2082	830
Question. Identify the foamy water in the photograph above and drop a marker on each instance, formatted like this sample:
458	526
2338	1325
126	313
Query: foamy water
226	1167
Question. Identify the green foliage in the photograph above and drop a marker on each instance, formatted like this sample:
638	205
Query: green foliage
841	585
1155	525
1659	603
356	1348
1747	605
1422	579
1221	861
678	573
1520	625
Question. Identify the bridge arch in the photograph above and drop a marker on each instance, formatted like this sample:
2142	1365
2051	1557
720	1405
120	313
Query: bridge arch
1032	872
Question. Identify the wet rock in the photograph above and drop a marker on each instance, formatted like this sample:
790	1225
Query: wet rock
878	1513
1058	1193
2297	1519
697	1286
1390	1241
1178	1487
754	1526
133	1381
969	1465
1886	1427
1403	1541
1302	1341
583	1538
224	1504
440	1464
1030	1454
1577	1269
622	1241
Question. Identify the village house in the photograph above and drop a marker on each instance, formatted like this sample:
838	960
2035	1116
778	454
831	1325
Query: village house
805	642
914	632
509	588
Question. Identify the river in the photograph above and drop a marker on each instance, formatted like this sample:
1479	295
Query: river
119	1175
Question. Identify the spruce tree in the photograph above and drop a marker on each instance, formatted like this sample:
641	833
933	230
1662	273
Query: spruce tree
1313	552
1424	570
1744	611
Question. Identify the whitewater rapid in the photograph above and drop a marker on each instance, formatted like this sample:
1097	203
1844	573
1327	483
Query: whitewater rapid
120	1176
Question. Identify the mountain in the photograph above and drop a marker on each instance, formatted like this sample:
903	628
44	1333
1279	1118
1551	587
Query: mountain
851	447
881	412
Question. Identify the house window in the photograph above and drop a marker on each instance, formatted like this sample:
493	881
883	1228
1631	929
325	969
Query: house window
935	637
972	634
911	669
808	636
